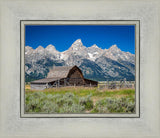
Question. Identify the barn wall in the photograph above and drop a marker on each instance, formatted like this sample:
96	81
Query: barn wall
38	86
76	78
90	82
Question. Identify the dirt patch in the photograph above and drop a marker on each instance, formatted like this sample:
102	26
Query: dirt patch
95	99
27	87
88	111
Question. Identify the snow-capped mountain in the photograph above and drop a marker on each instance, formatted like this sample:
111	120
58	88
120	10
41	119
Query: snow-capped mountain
94	52
116	54
77	45
96	63
77	48
28	50
51	49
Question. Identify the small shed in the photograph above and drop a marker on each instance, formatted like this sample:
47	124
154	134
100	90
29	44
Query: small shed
61	76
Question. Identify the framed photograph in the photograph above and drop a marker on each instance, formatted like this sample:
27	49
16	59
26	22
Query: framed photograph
79	80
79	68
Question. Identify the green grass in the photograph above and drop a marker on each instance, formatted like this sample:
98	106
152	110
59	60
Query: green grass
80	100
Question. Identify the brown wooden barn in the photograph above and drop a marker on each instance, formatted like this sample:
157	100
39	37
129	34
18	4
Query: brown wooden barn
62	76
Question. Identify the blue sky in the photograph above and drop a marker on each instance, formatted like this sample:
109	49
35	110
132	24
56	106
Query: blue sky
62	36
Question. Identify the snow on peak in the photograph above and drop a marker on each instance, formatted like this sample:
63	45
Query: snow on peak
113	47
39	49
77	41
28	49
50	45
63	56
91	56
77	45
50	48
94	46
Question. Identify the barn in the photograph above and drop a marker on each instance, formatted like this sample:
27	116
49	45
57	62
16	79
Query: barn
62	76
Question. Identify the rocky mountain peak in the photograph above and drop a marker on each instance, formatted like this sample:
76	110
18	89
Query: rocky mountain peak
78	41
28	49
51	48
77	45
114	48
39	49
94	46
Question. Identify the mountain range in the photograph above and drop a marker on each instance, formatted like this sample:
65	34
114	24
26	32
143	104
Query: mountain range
95	63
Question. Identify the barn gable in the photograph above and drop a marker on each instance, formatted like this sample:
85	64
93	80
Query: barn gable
75	72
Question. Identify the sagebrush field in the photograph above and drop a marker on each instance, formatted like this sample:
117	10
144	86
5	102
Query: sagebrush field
79	100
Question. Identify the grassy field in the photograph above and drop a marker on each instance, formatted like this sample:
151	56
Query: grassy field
79	100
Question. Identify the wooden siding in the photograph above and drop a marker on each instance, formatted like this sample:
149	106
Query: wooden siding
91	83
76	77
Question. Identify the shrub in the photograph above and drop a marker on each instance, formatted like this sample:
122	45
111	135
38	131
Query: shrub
47	103
86	102
75	108
112	105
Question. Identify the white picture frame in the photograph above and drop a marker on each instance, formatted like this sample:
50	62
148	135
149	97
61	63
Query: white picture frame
13	125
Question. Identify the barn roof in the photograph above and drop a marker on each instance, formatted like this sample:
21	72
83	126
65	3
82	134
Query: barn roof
60	71
90	80
46	80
